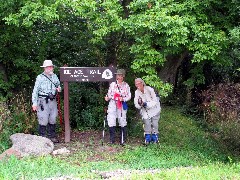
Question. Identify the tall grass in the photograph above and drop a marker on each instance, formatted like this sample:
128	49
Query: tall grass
15	116
185	151
182	144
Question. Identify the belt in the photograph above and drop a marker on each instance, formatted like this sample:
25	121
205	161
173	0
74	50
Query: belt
43	95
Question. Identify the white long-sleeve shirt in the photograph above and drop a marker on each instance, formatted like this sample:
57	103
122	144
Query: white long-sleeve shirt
153	104
122	89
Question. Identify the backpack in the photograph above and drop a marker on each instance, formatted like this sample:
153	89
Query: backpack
157	94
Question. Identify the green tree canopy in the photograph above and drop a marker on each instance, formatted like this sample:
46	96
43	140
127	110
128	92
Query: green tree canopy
159	34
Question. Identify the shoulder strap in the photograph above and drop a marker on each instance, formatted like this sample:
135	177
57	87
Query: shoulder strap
50	80
118	88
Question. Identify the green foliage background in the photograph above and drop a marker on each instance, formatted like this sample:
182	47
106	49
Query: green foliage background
201	38
153	30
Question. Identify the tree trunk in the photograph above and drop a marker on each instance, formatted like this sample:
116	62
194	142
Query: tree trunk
125	3
168	73
3	72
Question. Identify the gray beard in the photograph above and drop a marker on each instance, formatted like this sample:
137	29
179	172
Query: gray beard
49	72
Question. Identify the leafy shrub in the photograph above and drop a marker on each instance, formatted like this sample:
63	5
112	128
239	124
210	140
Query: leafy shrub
221	111
16	117
221	103
4	112
86	105
230	133
4	116
23	119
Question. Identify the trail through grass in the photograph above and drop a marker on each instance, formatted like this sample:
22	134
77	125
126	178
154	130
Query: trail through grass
185	151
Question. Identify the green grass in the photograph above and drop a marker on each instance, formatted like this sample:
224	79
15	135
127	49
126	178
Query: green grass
209	172
185	152
39	168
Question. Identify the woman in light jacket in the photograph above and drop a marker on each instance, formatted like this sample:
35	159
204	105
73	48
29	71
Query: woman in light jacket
118	94
148	103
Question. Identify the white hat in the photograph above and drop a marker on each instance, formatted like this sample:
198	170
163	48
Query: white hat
47	63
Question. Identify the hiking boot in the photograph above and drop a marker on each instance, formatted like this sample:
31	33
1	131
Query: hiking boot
54	140
51	130
112	135
42	130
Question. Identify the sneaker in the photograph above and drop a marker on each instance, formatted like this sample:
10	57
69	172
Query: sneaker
154	138
147	139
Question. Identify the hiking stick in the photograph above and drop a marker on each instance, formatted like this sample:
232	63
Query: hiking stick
104	124
149	119
121	136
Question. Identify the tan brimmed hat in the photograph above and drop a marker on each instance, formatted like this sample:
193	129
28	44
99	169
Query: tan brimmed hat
47	63
121	71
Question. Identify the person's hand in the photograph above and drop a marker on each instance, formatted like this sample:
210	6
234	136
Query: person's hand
106	98
34	108
58	89
121	99
140	102
144	104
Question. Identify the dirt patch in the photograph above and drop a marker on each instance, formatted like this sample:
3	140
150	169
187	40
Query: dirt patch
92	141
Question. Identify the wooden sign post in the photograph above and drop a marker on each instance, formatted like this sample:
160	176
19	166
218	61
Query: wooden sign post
81	74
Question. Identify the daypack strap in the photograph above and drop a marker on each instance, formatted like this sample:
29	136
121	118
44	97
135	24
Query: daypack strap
50	80
118	88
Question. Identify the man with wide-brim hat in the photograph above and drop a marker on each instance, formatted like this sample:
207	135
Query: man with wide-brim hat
47	63
46	87
118	94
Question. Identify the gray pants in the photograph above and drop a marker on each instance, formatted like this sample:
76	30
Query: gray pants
115	113
47	112
151	124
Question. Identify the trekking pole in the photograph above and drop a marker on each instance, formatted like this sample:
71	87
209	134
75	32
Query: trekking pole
122	137
144	124
104	124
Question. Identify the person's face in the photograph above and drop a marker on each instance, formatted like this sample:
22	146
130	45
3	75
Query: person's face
120	77
139	85
49	70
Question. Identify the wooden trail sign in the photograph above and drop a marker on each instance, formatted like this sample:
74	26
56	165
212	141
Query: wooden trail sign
82	74
87	74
